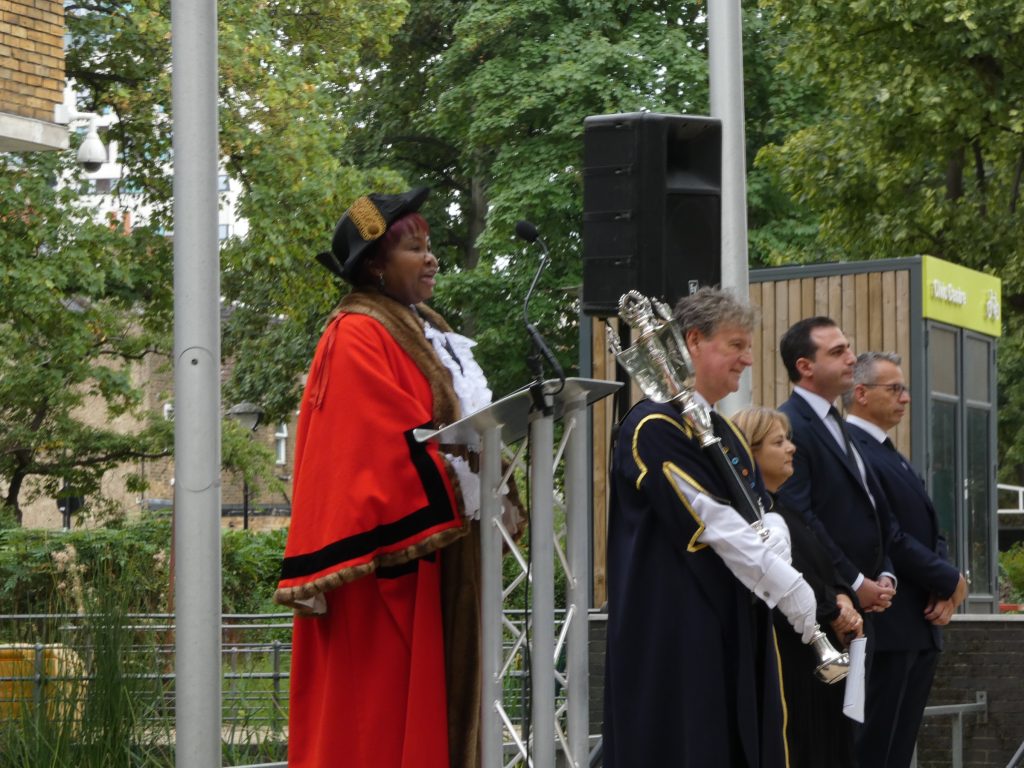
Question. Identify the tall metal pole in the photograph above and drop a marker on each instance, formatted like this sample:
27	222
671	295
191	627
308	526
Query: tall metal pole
542	557
577	486
196	384
725	72
490	600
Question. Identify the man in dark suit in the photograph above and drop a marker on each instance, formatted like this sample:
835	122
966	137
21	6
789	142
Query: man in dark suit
832	487
907	637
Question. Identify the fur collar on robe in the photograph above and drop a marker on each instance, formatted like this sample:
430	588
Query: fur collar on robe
325	547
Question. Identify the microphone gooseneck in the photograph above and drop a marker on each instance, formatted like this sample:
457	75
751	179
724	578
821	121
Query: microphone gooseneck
528	232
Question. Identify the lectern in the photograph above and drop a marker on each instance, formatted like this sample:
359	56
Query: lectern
508	421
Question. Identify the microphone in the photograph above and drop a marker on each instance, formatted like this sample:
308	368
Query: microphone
528	232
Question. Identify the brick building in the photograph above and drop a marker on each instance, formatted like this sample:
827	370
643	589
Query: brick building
268	508
31	75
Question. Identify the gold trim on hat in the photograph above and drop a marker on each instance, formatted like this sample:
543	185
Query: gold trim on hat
367	218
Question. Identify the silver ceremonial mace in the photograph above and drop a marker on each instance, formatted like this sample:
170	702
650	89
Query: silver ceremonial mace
660	363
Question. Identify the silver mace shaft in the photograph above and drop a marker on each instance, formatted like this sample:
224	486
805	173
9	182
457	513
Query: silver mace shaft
660	364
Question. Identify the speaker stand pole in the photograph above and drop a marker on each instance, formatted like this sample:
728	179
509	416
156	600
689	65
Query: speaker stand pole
725	69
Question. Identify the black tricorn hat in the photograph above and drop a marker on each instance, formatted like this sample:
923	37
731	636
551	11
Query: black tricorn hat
363	224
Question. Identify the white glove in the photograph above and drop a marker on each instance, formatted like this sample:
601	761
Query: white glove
799	608
469	485
778	535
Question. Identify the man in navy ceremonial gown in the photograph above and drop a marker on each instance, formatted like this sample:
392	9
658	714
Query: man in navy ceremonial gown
692	673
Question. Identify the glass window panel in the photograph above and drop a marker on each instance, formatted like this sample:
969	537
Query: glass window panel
977	368
942	360
979	499
942	472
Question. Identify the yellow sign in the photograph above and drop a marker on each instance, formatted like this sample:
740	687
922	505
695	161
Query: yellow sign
962	297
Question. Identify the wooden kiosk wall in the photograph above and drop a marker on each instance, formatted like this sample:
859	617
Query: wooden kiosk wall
873	309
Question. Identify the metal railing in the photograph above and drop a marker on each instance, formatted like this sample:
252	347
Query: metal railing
958	711
1014	490
256	661
1018	757
56	668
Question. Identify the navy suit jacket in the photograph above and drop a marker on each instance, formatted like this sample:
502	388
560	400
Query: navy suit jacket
917	550
830	496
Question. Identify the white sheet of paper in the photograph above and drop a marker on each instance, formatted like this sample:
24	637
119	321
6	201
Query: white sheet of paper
853	698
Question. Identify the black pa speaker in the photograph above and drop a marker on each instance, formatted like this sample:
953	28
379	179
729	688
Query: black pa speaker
652	202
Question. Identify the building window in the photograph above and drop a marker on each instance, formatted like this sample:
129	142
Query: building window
281	444
223	231
222	183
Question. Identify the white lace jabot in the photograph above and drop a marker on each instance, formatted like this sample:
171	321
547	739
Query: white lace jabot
470	386
468	378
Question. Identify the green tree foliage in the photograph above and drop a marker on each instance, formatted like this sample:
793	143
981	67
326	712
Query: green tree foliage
485	102
779	226
58	572
919	145
80	302
285	71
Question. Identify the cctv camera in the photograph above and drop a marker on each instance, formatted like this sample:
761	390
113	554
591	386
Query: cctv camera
92	154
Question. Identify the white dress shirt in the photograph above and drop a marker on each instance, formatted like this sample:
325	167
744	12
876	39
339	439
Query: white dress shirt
750	559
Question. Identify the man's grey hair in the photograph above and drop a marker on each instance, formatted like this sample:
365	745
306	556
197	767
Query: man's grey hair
709	309
864	371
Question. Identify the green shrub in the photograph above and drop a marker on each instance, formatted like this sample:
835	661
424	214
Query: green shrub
45	571
250	570
1011	564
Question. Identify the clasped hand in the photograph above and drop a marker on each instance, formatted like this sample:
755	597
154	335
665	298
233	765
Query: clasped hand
876	596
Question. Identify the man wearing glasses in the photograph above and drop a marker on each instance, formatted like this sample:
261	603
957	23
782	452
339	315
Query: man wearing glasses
907	636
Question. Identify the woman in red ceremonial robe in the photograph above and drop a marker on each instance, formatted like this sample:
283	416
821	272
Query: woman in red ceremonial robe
378	565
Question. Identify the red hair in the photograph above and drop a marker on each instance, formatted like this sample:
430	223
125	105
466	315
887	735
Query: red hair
411	223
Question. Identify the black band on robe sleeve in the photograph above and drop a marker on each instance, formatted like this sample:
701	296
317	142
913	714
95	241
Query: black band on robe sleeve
437	511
